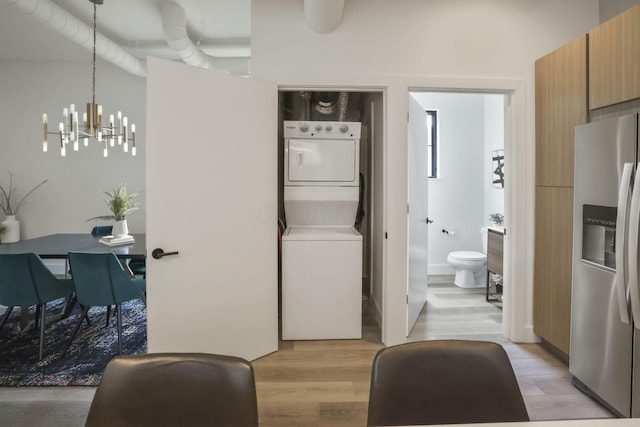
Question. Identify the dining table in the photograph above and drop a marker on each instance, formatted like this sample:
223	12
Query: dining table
57	246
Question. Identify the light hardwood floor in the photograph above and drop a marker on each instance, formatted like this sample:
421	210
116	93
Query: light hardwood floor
545	382
326	383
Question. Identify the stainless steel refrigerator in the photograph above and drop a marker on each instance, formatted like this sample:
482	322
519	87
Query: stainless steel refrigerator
605	299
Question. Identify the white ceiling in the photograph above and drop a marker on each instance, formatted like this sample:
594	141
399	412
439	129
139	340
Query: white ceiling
219	27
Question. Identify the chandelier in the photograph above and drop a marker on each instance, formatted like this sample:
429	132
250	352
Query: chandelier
70	131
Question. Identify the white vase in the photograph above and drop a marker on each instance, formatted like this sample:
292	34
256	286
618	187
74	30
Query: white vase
12	234
120	229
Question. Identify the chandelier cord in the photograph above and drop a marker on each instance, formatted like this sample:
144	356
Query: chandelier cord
93	82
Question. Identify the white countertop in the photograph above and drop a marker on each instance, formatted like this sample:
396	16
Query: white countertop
604	422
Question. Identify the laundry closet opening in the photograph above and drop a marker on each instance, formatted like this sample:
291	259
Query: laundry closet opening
330	209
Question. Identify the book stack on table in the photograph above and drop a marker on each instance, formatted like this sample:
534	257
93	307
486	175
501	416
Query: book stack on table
115	241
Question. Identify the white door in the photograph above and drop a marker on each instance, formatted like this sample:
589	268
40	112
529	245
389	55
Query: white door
417	215
211	194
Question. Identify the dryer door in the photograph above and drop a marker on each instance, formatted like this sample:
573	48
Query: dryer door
322	162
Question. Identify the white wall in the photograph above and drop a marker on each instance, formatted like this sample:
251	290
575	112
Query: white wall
493	140
611	8
488	38
425	43
387	45
74	191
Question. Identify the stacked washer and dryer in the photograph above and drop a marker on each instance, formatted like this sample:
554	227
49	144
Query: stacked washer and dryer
321	250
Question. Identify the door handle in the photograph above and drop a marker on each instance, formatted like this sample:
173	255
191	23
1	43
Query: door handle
428	221
621	243
632	266
159	253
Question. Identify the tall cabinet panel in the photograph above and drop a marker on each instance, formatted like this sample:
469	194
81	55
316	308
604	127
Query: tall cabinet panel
552	273
561	87
561	105
614	60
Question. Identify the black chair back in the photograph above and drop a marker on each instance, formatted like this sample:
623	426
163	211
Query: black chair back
175	389
444	382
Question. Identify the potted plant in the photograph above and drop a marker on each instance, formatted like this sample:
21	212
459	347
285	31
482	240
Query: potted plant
121	204
11	208
497	219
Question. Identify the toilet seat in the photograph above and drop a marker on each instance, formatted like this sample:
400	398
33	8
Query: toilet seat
468	256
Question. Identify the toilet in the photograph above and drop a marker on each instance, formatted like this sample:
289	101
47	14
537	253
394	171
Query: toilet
470	266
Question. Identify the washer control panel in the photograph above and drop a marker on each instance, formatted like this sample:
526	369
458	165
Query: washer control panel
327	130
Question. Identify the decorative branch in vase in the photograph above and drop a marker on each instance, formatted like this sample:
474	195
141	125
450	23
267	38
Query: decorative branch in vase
121	205
10	207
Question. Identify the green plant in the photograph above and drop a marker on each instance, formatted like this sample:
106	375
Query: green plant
496	218
120	203
8	194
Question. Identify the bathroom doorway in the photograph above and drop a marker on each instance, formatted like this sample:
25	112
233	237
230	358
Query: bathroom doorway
465	194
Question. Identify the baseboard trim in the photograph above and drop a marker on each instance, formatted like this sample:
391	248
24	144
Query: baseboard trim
555	351
440	269
530	336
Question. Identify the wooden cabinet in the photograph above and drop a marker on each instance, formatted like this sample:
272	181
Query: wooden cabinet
495	257
495	250
614	60
561	105
552	265
564	96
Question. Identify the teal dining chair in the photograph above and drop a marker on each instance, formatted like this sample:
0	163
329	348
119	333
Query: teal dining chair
26	281
138	267
99	279
101	230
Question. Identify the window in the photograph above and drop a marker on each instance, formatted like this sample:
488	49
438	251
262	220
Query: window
432	143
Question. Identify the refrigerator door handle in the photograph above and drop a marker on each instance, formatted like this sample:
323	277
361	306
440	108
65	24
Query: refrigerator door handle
621	226
632	264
